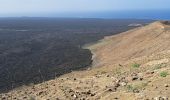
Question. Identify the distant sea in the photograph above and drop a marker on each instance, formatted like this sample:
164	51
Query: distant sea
129	14
142	14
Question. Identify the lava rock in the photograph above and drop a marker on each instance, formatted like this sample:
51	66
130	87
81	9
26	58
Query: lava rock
112	89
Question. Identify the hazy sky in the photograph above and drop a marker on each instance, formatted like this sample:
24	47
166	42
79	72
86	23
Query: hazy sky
26	7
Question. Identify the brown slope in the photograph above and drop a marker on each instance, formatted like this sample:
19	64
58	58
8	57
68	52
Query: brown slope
131	44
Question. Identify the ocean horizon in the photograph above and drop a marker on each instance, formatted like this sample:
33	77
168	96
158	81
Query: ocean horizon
129	14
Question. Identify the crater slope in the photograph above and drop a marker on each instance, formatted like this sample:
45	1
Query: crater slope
133	64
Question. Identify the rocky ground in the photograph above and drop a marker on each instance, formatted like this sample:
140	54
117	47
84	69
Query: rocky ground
134	65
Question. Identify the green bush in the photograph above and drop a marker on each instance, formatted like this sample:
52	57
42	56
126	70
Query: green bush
130	87
163	74
133	89
135	65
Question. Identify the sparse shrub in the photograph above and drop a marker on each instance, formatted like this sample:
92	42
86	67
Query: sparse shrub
144	85
136	87
159	66
135	65
32	98
117	71
130	87
164	74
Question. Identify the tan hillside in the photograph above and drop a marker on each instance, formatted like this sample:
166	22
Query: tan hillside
134	65
135	43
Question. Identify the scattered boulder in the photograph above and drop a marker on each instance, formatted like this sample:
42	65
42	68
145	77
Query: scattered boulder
98	76
166	85
40	93
108	76
75	96
150	72
74	79
4	98
93	94
136	91
134	78
123	83
111	88
160	98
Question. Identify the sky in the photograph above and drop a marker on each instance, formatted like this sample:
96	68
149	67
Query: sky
47	7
